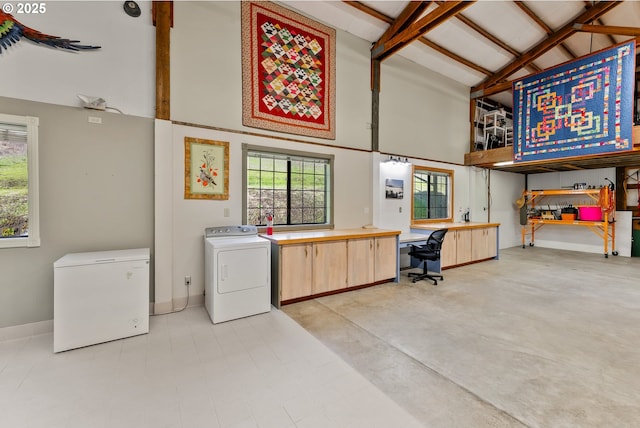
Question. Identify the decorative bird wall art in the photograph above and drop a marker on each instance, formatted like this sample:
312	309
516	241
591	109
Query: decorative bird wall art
12	30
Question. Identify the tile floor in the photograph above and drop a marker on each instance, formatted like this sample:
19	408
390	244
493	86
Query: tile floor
261	371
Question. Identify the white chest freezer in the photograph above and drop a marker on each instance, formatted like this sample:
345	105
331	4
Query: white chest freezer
100	296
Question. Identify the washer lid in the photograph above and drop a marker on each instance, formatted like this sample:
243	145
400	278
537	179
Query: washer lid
90	258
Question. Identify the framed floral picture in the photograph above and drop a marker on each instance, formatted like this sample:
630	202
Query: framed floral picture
206	169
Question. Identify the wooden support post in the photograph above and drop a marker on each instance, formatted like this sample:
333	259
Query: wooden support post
375	104
163	44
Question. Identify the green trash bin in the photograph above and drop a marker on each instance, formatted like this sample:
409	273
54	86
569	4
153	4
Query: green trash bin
635	235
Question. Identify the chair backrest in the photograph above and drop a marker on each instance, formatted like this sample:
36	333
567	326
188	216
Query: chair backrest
434	242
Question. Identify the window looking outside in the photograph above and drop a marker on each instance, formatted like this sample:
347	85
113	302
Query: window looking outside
18	181
432	196
294	187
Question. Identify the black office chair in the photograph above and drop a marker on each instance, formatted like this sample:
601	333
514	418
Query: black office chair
429	251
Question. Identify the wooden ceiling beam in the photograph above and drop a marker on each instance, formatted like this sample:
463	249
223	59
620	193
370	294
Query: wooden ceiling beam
369	11
608	29
430	21
487	35
384	18
492	90
454	57
588	4
555	39
407	17
531	14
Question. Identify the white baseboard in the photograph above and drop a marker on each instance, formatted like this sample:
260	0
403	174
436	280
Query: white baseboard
176	304
43	327
26	330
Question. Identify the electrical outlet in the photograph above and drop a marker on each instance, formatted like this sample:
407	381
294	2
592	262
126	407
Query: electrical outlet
187	280
94	119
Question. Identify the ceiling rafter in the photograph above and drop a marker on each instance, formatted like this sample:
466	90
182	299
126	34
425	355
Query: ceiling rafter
588	4
384	18
455	57
407	17
531	14
608	29
487	35
555	39
442	13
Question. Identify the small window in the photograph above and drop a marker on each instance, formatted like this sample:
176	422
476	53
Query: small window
294	187
19	224
432	196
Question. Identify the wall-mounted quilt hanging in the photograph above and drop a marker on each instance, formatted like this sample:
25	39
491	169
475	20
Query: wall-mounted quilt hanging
288	69
583	107
12	30
206	169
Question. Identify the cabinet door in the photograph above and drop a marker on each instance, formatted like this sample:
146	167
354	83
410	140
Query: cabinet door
386	258
448	252
479	244
296	267
463	246
484	245
492	241
360	255
329	266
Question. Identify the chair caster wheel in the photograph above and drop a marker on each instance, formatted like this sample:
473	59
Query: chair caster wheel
615	253
531	244
606	256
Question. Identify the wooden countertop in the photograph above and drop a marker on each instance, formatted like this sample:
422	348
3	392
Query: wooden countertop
326	235
462	225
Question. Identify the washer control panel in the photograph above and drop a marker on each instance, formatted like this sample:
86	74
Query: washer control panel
225	231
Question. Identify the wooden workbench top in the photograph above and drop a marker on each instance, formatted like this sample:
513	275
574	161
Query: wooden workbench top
461	225
326	235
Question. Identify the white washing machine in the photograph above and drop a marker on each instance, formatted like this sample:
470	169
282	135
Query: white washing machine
237	280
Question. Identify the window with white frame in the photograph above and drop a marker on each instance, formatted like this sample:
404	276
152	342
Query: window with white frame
432	194
19	222
294	187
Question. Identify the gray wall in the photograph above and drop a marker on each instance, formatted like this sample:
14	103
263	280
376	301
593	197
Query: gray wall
96	193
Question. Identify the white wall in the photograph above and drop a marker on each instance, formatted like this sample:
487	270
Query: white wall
122	71
206	76
396	213
96	183
187	218
422	114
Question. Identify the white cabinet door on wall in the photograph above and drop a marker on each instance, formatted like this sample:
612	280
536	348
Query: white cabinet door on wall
296	271
329	266
361	263
386	255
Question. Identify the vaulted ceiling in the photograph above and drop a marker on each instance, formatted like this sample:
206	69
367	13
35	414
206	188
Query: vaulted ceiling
482	44
487	44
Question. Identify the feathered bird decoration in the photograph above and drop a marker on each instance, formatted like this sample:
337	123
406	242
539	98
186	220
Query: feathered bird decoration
12	30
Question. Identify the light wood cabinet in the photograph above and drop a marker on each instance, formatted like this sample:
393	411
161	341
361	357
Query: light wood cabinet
308	264
386	258
329	266
484	243
456	248
361	261
296	270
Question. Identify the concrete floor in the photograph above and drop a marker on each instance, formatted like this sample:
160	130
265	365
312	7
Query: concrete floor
539	338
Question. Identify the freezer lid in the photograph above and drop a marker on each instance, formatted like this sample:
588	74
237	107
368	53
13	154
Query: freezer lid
98	257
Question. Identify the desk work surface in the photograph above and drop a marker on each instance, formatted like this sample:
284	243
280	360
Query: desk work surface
445	225
284	238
